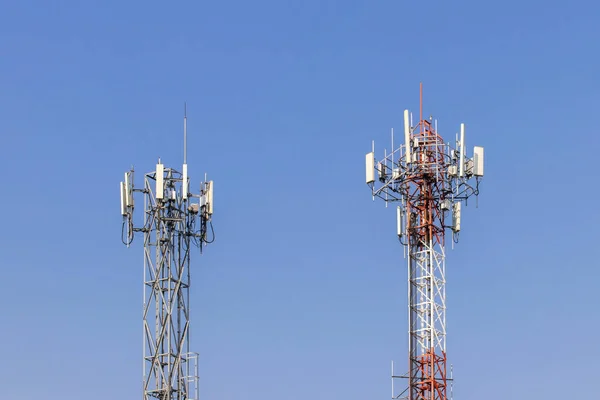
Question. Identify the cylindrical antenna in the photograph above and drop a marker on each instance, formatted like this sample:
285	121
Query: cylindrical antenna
399	221
421	101
451	382
393	148
392	379
407	129
461	166
184	133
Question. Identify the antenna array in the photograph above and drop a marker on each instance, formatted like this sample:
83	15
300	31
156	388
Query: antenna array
429	180
175	220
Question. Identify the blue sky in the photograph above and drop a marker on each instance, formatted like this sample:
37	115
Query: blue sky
303	293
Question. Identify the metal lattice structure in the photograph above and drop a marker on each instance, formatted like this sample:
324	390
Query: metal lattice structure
175	221
429	180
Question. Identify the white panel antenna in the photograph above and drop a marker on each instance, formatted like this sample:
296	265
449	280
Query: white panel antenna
456	216
126	188
407	136
399	221
462	151
370	167
184	183
123	195
209	194
478	161
128	194
160	173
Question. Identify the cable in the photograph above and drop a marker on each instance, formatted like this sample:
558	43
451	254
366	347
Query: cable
122	233
212	229
129	233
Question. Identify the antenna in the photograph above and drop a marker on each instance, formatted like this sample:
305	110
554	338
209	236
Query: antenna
399	221
185	185
160	188
184	133
392	148
461	167
407	137
123	201
421	101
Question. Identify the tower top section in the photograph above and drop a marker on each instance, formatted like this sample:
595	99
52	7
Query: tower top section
423	172
169	188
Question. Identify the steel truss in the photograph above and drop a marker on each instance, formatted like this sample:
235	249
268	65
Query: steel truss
167	236
173	225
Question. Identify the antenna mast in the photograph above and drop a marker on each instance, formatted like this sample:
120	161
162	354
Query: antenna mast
429	180
184	133
175	220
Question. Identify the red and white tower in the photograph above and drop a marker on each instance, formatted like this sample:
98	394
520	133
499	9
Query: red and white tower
429	180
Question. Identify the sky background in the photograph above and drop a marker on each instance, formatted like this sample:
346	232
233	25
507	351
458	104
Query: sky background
303	294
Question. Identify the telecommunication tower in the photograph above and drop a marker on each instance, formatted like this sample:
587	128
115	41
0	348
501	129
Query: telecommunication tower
175	220
429	180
